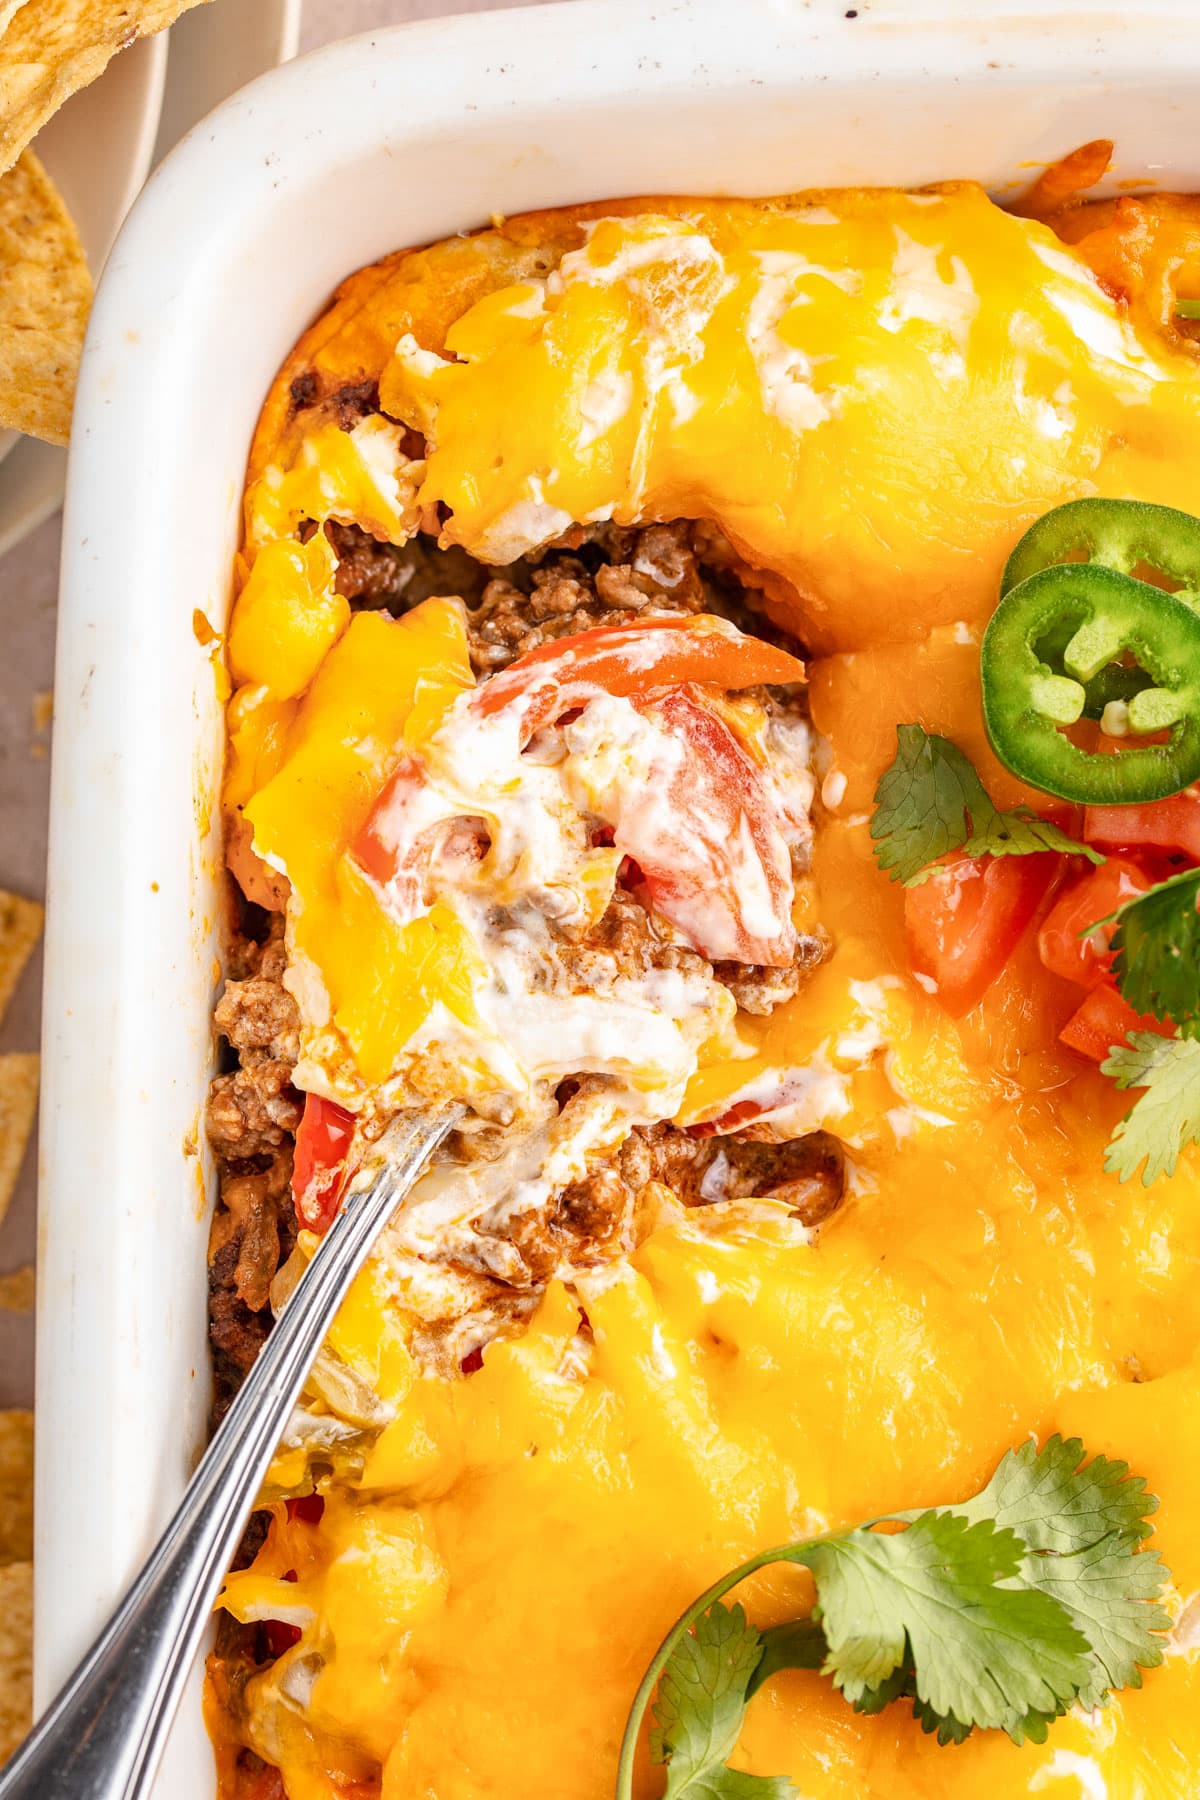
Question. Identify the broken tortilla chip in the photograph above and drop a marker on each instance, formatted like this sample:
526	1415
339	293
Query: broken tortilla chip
18	1104
16	1487
16	1655
52	48
7	9
45	292
20	929
17	1290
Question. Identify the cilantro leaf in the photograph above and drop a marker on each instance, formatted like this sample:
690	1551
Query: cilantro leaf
1056	1500
1157	945
1003	1611
800	1644
1081	1523
925	803
1021	833
699	1709
930	800
1167	1116
985	1648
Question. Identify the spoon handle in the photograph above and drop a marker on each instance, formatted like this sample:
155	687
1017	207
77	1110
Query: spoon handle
102	1737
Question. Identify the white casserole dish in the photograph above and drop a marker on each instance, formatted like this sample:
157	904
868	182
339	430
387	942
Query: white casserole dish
386	140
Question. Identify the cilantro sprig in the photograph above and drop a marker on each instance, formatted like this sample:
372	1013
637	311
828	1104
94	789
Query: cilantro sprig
930	800
1157	951
1166	1115
1156	964
996	1614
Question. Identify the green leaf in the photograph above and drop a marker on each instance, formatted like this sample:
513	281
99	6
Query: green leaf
1109	1589
1022	833
1157	945
930	800
699	1709
1001	1612
925	804
800	1644
899	1685
984	1648
949	1729
1082	1524
1055	1499
1167	1115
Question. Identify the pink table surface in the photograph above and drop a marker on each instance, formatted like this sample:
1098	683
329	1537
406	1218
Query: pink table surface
28	589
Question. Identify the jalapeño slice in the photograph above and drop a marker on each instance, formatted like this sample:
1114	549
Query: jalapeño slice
1050	637
1116	534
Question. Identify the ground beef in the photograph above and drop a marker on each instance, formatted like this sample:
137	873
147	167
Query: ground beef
235	1332
256	1214
760	990
260	1015
598	575
371	575
808	1172
662	574
253	1112
304	391
626	941
353	402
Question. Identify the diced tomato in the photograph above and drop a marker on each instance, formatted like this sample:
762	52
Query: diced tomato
964	922
1061	944
280	1636
709	842
1171	825
307	1507
1106	1019
630	660
388	845
739	1114
319	1167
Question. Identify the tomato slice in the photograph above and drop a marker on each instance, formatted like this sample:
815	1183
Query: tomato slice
1171	825
1062	946
964	921
319	1167
1105	1019
628	660
708	841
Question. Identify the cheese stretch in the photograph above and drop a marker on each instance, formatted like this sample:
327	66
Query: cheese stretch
872	394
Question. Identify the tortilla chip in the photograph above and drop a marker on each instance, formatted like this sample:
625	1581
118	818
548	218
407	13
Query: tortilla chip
16	1487
20	929
16	1655
53	48
45	292
17	1290
7	9
18	1105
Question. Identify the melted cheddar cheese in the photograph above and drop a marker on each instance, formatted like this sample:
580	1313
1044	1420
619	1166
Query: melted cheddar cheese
872	393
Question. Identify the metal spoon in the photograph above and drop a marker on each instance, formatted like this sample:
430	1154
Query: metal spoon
101	1739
